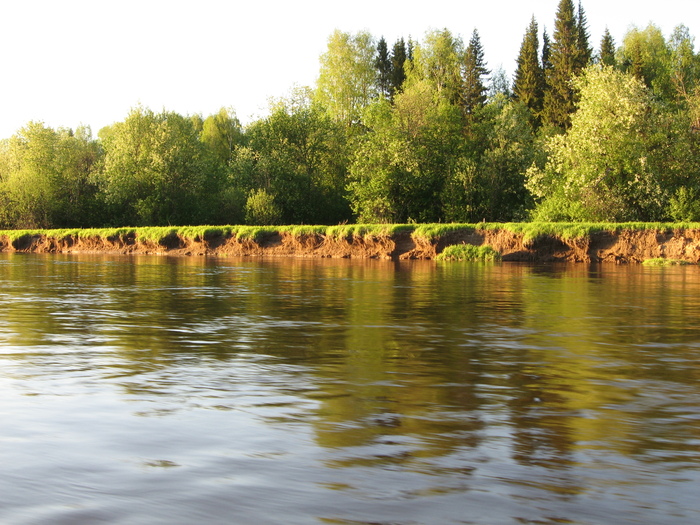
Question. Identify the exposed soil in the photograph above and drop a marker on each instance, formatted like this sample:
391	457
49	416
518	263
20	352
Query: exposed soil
628	246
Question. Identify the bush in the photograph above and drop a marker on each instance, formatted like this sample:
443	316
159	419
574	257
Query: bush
261	209
468	252
684	205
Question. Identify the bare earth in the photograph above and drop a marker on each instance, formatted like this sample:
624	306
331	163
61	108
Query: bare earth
628	246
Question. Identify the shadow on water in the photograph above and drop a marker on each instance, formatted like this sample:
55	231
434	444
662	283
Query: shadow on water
348	391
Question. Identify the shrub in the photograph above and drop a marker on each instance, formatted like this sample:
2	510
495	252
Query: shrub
468	252
261	209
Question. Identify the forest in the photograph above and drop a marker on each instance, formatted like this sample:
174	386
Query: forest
403	132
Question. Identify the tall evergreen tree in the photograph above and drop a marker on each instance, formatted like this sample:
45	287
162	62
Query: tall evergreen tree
559	98
383	64
474	89
607	50
585	53
398	71
528	86
546	53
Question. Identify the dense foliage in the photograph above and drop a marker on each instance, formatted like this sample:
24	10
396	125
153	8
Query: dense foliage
414	131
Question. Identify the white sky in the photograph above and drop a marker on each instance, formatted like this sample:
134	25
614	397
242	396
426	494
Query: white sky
73	62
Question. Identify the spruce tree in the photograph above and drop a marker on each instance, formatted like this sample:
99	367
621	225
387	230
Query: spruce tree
546	53
473	88
607	50
584	50
398	72
383	64
528	86
559	98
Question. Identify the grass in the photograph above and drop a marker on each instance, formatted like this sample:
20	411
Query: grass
429	232
468	252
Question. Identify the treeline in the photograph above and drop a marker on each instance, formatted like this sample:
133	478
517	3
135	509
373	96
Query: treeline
409	132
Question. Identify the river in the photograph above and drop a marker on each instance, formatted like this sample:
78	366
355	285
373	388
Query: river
295	391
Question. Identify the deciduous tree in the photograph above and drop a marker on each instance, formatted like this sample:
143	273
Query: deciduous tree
604	167
646	55
46	178
222	133
398	170
300	159
439	60
157	171
347	79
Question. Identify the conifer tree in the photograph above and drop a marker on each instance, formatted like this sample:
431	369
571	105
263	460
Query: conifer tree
607	50
474	90
528	86
546	53
384	69
559	98
584	50
398	72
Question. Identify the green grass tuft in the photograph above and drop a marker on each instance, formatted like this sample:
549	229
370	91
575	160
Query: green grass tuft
468	252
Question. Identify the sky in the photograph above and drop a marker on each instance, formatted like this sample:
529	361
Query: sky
88	62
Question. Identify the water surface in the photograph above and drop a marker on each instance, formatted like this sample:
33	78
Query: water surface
190	390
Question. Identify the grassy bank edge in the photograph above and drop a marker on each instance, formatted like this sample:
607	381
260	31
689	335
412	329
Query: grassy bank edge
429	232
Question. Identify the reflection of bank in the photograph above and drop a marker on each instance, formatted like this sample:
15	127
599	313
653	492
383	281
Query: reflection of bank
438	369
404	388
596	333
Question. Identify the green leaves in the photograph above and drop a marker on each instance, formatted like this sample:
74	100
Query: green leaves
346	82
602	169
156	170
46	177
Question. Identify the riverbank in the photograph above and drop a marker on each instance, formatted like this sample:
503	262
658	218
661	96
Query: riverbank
564	242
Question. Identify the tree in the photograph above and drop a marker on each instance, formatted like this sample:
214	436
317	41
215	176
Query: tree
157	171
499	84
347	79
384	69
473	88
583	48
486	182
299	157
565	57
508	154
546	54
529	82
646	55
46	178
606	167
261	209
398	169
607	50
685	64
222	133
439	60
398	71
